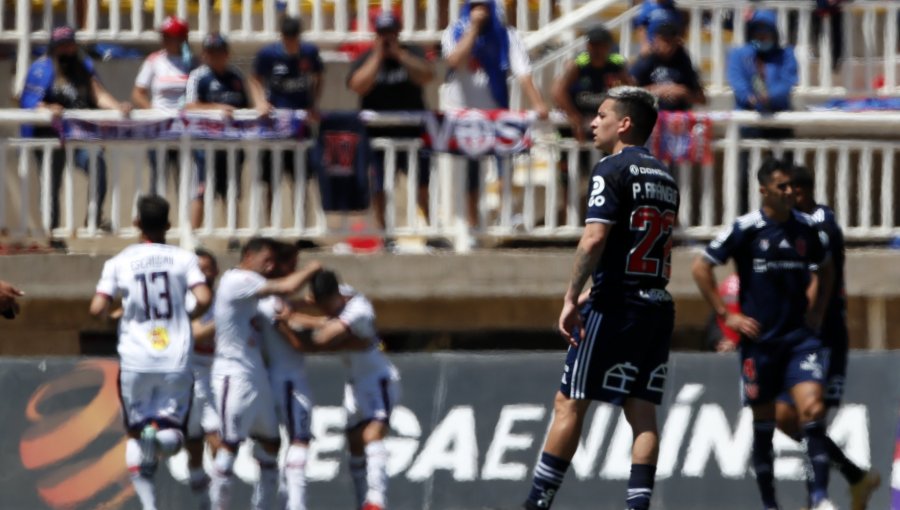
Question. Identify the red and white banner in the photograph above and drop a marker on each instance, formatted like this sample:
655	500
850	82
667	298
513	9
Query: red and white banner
682	137
479	132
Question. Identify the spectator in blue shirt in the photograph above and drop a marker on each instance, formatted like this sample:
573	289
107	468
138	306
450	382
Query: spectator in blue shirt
762	74
649	9
60	80
286	74
667	71
216	85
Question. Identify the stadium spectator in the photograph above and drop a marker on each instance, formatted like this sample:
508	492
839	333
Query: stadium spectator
8	305
762	74
583	85
286	74
162	82
667	70
650	9
216	85
391	77
480	50
829	11
64	79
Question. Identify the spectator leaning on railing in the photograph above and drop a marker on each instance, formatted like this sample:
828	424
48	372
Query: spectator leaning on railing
650	8
391	77
61	80
162	82
480	50
218	86
286	74
667	71
762	74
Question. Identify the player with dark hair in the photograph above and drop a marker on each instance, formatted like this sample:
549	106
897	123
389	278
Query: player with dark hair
372	388
619	330
239	375
155	340
776	250
203	421
835	339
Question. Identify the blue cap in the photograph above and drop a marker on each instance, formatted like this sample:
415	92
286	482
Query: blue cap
215	41
387	22
664	22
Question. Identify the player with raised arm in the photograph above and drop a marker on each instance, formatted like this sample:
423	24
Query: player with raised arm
776	250
239	376
835	339
203	422
290	386
373	383
620	338
155	341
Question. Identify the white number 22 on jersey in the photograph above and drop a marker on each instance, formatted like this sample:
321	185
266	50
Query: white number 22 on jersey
597	199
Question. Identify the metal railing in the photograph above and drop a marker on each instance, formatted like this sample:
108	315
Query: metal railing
530	197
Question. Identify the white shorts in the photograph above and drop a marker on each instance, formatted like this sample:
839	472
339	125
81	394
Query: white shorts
370	400
204	419
246	409
161	397
293	403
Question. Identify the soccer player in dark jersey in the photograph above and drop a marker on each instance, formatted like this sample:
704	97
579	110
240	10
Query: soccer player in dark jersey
836	341
777	250
620	329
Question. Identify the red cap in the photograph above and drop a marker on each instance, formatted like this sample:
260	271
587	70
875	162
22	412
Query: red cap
174	26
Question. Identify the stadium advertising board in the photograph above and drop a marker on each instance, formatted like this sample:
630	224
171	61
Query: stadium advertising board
465	437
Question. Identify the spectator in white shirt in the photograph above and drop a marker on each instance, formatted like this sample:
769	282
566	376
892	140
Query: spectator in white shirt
162	81
480	51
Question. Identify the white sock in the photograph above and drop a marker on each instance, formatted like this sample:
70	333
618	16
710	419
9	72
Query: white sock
376	473
199	482
295	476
265	492
358	474
143	485
170	441
222	478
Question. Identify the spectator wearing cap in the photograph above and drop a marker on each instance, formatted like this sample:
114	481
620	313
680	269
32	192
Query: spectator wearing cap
585	80
667	71
390	77
161	83
762	74
64	79
649	9
286	74
219	86
480	51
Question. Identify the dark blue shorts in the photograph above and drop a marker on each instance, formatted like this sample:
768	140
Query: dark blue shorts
378	165
623	353
770	369
836	343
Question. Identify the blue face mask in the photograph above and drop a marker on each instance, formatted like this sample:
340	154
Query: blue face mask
763	46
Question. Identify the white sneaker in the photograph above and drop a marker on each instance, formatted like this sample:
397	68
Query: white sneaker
861	491
825	504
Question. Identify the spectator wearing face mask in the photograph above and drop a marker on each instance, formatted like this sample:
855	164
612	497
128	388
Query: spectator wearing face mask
762	74
61	80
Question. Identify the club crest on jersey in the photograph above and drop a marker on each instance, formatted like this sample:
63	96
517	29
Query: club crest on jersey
764	244
159	338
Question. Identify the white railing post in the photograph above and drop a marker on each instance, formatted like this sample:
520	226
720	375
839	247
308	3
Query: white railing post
390	174
869	45
300	181
412	185
684	175
522	16
184	186
803	51
247	17
255	211
409	17
566	7
46	187
159	13
113	189
181	9
707	199
318	25
276	188
232	193
453	15
528	212
890	50
695	36
203	19
24	195
4	145
572	202
864	196
825	61
431	18
543	12
718	67
821	173
755	161
92	15
842	185
209	191
23	31
730	179
362	16
269	19
887	187
93	200
849	50
224	16
69	176
293	8
115	21
341	22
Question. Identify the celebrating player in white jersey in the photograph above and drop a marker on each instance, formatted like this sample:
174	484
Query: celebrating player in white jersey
239	377
203	421
290	387
373	385
155	340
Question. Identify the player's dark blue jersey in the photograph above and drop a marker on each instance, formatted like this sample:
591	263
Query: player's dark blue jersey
835	314
636	194
205	86
774	261
288	78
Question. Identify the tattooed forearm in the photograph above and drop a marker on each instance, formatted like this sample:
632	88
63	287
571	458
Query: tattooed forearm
585	262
